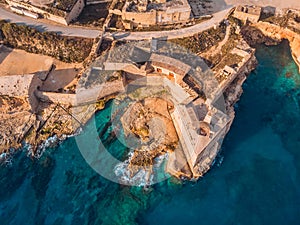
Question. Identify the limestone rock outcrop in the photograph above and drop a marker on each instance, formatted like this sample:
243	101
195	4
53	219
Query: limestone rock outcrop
271	34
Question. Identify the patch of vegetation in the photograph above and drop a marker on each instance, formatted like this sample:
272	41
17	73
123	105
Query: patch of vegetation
225	49
67	49
116	22
230	44
136	94
54	11
229	60
119	5
170	26
285	21
204	40
46	130
93	15
65	5
282	21
100	104
105	46
235	21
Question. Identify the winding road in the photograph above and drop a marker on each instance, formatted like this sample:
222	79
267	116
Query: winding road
92	33
172	34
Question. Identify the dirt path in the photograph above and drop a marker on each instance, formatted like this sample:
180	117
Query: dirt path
217	48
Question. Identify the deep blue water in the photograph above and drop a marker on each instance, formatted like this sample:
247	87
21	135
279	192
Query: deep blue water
258	181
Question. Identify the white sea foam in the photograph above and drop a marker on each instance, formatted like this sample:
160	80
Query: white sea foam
143	177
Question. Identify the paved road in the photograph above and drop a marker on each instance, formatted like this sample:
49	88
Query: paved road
91	33
39	25
172	34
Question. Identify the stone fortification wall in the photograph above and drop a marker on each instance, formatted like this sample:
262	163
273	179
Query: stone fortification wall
90	95
52	97
83	96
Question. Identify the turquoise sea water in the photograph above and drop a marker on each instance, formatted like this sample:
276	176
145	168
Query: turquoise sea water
258	181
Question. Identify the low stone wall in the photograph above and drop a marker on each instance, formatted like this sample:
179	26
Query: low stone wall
83	96
95	48
59	98
76	10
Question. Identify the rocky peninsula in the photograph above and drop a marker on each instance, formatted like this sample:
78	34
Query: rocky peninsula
41	113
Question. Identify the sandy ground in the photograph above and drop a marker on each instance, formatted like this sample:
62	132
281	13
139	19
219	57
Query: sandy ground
18	62
14	62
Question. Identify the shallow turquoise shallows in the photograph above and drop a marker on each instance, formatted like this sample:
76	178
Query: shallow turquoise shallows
258	181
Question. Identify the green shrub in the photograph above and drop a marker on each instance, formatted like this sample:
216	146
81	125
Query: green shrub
67	49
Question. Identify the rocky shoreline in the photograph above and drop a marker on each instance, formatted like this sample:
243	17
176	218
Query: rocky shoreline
54	122
272	34
34	130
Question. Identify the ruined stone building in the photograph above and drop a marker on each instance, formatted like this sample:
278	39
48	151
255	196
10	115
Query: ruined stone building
145	13
247	13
